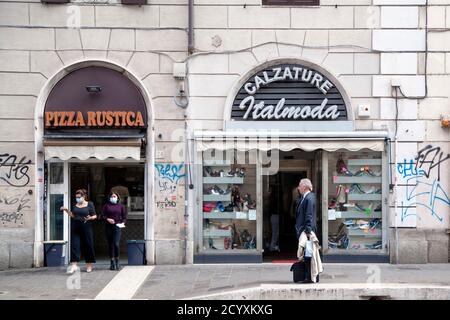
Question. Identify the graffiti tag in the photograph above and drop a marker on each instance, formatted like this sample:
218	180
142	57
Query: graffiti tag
11	207
420	190
409	169
167	203
169	177
14	171
170	172
166	186
11	217
429	158
433	194
22	202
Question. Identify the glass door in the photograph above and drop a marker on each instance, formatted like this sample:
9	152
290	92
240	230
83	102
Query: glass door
57	228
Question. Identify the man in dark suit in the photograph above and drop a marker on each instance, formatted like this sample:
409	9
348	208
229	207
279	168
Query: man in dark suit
305	219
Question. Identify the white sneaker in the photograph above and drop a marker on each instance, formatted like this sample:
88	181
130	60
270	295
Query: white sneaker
71	269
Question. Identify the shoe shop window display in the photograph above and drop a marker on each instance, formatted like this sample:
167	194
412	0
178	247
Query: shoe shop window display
355	201
229	205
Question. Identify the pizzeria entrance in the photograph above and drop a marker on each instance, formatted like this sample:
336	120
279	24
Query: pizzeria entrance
99	179
94	137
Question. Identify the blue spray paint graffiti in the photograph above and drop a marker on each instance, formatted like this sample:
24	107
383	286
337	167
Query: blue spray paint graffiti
409	169
415	173
169	177
171	172
433	192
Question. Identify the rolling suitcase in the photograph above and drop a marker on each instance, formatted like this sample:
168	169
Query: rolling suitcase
298	269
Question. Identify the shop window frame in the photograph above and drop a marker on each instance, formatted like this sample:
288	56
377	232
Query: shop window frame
200	225
384	210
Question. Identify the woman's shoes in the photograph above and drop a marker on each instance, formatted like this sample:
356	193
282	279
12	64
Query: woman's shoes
117	264
220	206
72	269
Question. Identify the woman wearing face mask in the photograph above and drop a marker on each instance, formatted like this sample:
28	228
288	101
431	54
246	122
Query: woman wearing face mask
83	212
114	213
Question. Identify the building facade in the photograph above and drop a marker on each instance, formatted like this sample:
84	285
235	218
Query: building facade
205	114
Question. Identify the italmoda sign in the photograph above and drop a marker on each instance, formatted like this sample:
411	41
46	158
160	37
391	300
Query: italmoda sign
288	92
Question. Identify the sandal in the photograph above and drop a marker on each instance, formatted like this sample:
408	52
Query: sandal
220	206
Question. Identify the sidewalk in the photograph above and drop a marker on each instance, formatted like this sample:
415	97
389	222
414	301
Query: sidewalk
188	281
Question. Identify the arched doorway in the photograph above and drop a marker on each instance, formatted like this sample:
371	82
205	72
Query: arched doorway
91	133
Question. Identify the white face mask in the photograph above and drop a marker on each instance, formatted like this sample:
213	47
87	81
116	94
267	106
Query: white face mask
113	200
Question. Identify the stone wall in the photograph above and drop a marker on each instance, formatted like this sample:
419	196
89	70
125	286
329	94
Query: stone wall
365	44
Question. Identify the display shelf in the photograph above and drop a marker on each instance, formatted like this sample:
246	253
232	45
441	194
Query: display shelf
363	241
219	215
223	180
365	196
210	233
352	179
360	215
213	197
364	162
361	233
225	215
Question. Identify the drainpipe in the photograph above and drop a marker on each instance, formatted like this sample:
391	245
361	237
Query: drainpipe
396	175
191	27
396	198
188	164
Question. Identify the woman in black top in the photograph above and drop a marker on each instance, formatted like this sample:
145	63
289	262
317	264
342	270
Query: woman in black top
83	212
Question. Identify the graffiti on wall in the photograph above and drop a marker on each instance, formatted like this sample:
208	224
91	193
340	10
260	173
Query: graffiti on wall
14	171
420	190
168	177
12	207
430	158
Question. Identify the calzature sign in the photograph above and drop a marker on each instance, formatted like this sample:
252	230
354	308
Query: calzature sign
289	92
99	119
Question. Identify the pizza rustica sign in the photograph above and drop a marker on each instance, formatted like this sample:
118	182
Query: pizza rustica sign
289	92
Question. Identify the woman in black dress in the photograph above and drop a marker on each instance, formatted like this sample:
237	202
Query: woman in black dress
83	212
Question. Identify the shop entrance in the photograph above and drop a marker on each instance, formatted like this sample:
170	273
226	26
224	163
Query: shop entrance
98	179
279	195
